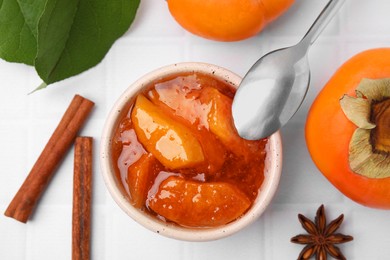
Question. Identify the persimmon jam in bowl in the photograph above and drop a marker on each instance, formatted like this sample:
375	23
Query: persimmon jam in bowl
173	161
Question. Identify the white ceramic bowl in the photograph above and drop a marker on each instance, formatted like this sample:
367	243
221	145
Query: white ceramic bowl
273	165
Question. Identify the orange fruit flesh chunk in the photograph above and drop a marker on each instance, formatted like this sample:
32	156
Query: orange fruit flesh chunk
178	98
170	142
194	204
140	179
222	125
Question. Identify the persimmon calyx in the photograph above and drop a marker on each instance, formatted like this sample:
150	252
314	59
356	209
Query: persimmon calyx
369	148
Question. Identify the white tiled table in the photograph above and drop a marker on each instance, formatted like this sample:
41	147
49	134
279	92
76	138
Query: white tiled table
26	122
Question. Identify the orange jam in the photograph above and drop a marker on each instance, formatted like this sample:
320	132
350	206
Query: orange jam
179	157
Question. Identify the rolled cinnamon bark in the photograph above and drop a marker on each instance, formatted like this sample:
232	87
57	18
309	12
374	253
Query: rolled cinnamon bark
31	190
82	193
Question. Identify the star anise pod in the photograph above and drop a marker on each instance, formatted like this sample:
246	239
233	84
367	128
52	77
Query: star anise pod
321	239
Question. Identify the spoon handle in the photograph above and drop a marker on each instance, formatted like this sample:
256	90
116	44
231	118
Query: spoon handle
322	20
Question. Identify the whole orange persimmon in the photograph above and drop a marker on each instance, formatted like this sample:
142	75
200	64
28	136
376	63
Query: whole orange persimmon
334	126
226	20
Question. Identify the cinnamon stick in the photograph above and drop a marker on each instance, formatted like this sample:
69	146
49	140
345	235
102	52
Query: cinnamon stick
31	190
81	217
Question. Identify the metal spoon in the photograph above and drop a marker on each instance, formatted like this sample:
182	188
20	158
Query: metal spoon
276	85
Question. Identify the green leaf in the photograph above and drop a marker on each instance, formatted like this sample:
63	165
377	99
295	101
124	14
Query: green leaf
17	42
53	33
62	38
32	11
75	35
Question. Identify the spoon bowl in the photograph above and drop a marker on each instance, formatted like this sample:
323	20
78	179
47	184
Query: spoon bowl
288	70
275	86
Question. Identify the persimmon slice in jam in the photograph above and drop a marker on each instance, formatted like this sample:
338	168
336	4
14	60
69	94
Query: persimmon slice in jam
139	178
194	204
169	141
179	156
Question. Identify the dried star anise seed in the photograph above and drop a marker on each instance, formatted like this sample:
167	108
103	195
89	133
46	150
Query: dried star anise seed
321	239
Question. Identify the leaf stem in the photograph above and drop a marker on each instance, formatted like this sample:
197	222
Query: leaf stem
42	86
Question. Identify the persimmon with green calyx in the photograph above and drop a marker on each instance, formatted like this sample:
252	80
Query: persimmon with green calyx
348	129
226	20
